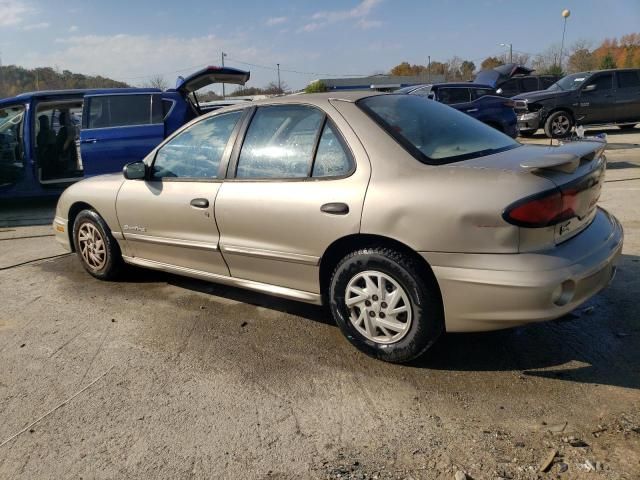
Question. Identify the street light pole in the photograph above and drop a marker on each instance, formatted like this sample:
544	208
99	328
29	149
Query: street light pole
510	50
565	14
429	69
222	56
279	87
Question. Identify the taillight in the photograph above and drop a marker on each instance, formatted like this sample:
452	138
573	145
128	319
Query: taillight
543	210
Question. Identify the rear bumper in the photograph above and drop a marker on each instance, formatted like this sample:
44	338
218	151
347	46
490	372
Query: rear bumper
491	292
529	122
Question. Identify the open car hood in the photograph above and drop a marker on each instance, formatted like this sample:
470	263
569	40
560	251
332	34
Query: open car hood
501	74
210	75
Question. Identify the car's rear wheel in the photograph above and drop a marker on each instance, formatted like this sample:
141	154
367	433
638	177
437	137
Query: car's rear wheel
385	305
558	125
627	127
98	251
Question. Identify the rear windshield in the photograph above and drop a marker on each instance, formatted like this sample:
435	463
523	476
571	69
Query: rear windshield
432	132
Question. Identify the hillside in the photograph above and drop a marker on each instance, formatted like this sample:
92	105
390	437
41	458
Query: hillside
15	80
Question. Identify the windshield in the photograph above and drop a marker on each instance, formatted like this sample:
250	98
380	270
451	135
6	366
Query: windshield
432	132
570	82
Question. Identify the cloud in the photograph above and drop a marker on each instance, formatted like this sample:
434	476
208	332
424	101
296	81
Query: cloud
73	28
360	13
36	26
13	12
275	21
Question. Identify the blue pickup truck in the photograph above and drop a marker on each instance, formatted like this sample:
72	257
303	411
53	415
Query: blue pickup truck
50	139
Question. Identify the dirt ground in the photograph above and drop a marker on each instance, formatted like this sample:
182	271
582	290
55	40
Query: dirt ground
160	376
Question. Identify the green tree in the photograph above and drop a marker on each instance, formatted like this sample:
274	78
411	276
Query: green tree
608	62
316	87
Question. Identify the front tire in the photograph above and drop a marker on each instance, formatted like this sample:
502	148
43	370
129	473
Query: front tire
97	250
385	305
558	125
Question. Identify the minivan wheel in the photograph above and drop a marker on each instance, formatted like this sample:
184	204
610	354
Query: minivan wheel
98	251
384	306
558	125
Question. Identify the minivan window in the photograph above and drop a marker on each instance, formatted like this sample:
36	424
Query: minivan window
453	95
280	142
11	144
121	111
628	79
431	132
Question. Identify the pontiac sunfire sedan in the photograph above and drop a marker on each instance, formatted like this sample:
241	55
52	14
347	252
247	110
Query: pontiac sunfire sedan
406	217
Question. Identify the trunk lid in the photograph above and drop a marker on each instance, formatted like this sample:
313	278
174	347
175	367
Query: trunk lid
211	75
575	169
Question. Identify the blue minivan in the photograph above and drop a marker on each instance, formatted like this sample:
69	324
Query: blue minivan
50	139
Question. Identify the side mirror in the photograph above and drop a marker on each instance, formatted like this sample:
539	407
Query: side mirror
135	171
589	88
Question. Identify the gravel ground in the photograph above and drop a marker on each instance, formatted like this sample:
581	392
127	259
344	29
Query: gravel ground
160	376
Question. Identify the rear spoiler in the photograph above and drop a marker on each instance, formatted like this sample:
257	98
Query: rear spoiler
566	158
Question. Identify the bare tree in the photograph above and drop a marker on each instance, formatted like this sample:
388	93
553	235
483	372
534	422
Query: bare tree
157	81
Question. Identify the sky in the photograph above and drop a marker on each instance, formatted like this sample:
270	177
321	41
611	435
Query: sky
132	40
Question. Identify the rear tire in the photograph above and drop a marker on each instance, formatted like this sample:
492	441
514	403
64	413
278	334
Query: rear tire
558	125
97	250
384	305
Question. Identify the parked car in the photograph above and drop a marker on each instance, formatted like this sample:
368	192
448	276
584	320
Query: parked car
50	139
479	101
512	79
606	97
404	216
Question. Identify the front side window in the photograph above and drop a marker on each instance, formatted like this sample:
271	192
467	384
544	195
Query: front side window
452	96
11	144
602	82
107	111
197	151
431	132
280	142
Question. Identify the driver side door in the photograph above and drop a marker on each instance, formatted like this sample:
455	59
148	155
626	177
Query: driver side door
598	105
168	218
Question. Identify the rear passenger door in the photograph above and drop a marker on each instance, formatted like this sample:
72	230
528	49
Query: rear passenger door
293	187
628	96
118	129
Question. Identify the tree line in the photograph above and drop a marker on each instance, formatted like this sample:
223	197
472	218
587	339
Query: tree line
15	80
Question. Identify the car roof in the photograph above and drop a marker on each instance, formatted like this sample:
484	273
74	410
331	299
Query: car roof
27	96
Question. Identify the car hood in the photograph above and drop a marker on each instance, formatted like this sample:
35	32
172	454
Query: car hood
540	95
501	74
211	75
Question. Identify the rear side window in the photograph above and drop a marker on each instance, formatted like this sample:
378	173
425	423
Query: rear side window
628	79
451	96
122	110
431	132
529	84
196	152
280	142
332	158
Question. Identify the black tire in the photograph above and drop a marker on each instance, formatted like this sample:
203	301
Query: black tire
626	127
427	317
112	263
527	133
554	121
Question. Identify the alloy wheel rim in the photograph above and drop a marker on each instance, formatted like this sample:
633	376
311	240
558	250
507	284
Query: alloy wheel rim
92	246
561	125
378	306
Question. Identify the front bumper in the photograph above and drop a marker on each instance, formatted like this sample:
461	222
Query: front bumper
491	292
60	229
529	122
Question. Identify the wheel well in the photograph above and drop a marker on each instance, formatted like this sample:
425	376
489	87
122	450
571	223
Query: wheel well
74	210
345	245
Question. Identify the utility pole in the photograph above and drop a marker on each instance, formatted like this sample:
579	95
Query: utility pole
429	69
222	56
279	87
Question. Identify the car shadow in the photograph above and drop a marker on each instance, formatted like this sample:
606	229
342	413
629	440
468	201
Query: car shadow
599	343
27	213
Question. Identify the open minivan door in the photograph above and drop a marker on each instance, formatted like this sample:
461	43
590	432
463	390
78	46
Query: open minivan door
119	128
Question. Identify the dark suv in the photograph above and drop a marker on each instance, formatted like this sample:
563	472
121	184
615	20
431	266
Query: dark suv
606	97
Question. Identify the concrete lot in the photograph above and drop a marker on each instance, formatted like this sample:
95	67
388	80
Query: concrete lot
159	376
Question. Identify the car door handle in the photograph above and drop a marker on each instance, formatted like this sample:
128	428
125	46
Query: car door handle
89	140
471	110
335	208
200	203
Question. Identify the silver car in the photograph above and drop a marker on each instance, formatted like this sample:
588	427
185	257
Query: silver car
403	216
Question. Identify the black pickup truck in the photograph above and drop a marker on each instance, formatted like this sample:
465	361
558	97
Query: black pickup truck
605	97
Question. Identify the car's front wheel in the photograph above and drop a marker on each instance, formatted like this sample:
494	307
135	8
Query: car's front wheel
558	125
98	251
385	304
